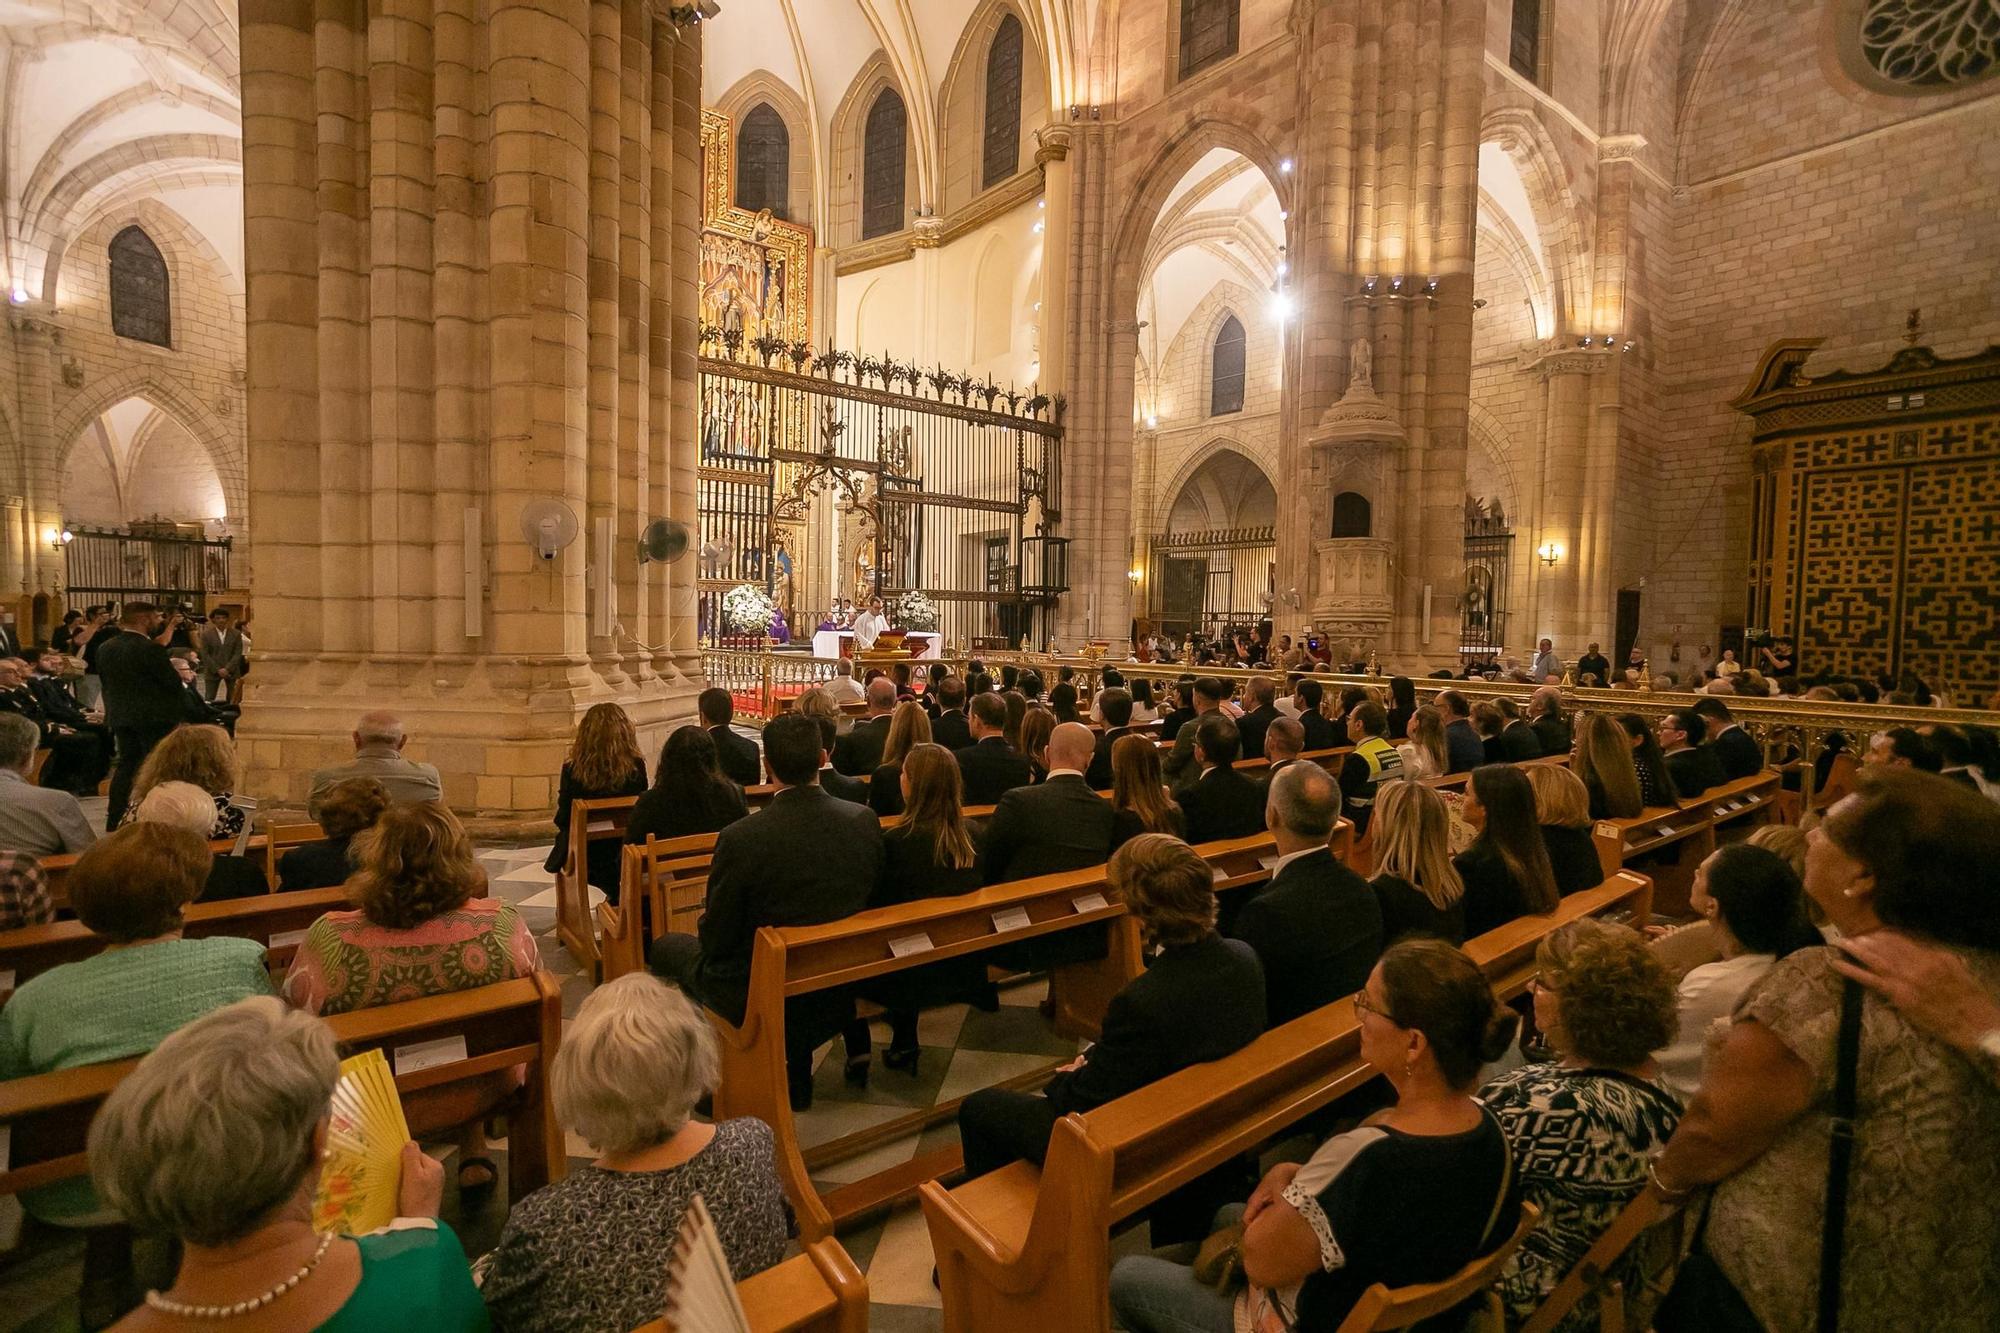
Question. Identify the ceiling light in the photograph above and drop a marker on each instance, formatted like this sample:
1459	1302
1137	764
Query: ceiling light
1041	203
1285	167
1281	306
20	293
1037	229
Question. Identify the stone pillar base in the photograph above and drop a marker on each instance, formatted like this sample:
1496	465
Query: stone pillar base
498	729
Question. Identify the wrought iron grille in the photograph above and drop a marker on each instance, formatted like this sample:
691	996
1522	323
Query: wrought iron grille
1489	546
936	481
1213	583
132	565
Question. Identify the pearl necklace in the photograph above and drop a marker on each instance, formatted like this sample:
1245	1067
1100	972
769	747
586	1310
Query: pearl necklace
176	1308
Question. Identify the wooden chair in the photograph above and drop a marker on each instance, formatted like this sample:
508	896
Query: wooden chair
281	838
820	1291
1028	1247
1381	1308
1840	776
1591	1278
604	818
514	1023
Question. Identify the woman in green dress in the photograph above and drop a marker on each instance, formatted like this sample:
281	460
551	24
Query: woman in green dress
216	1139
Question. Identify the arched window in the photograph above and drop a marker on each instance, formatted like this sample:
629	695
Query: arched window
882	166
1352	515
763	161
1524	40
1225	380
1208	33
140	307
1003	104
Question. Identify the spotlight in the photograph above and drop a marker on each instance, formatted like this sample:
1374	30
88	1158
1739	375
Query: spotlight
20	294
1281	307
1283	268
1285	167
1395	285
1368	286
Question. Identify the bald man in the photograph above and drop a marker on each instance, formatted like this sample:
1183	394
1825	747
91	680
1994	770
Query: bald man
1059	824
859	753
378	753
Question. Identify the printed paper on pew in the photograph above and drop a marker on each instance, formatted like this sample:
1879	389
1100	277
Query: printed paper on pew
1089	902
429	1054
906	945
7	980
286	939
1014	918
365	1134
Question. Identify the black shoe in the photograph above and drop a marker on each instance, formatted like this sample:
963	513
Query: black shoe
856	1070
801	1096
904	1061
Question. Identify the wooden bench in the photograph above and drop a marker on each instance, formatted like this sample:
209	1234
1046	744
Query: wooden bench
513	1023
1752	800
820	1291
1693	825
588	820
282	838
56	868
802	960
276	920
1029	1247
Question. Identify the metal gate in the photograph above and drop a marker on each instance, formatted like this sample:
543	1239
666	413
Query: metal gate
136	564
1489	546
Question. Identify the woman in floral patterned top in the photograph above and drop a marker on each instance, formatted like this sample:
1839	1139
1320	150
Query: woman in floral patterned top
419	930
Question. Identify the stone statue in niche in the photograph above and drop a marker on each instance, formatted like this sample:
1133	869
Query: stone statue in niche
1361	366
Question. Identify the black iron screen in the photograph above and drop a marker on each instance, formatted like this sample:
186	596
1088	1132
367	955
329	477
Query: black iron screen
170	569
1489	546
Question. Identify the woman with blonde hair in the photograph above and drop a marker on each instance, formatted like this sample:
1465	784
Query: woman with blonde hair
1603	760
202	755
1562	808
1425	754
1139	799
604	762
1419	888
909	727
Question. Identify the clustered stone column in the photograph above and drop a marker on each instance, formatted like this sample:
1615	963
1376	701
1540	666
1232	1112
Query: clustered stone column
1382	247
30	562
472	241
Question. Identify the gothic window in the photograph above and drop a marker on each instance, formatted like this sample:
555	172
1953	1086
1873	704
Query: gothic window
1003	104
1524	45
139	296
1352	515
882	166
1208	33
763	161
1225	381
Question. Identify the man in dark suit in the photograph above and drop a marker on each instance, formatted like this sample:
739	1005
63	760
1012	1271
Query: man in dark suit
143	695
1904	747
1202	998
1116	706
1222	802
949	729
79	764
1956	759
1260	709
802	860
1059	824
1282	742
1695	768
831	780
1519	742
859	752
738	755
1320	731
1180	766
1739	752
1461	741
1316	926
1545	716
990	766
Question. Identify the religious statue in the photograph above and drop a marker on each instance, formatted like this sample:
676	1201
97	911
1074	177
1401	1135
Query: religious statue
781	576
1361	366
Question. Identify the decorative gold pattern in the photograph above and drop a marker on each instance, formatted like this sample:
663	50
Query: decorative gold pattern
756	270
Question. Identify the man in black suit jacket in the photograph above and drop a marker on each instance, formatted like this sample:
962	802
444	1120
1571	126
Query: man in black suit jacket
1221	803
1545	716
143	695
1116	706
1519	742
1739	752
1695	768
1317	926
804	859
1260	710
1320	731
1179	765
1283	741
859	752
831	781
1462	744
949	728
1202	998
738	755
1058	825
990	766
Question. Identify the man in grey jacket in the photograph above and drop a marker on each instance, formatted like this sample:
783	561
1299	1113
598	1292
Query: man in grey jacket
378	754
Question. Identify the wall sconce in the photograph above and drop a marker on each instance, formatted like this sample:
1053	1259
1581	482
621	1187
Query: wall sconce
1430	287
1549	553
1135	575
1395	284
1152	421
1368	286
58	537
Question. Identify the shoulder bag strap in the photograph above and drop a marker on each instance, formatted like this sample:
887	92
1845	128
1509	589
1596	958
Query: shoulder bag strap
1506	1182
1839	1159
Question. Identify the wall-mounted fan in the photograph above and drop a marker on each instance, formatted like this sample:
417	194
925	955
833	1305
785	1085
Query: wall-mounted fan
663	541
548	525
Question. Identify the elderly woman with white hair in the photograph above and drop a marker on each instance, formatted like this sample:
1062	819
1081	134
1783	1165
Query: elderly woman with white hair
184	805
590	1251
216	1140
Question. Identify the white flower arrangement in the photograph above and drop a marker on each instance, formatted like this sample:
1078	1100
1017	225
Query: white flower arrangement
747	608
913	610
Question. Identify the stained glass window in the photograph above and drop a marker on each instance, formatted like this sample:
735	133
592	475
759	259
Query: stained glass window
763	161
882	166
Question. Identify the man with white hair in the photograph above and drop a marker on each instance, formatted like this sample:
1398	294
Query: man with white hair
843	688
378	753
41	821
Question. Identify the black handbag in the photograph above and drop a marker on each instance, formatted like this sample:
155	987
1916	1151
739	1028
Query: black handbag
1703	1299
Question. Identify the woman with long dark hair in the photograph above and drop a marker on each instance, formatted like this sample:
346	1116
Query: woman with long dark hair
1402	706
604	761
689	795
1649	762
1603	760
909	726
1140	802
1506	869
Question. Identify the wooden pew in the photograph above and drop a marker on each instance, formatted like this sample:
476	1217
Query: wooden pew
1693	824
820	1291
804	960
278	920
56	868
588	820
513	1023
282	838
1029	1247
1752	800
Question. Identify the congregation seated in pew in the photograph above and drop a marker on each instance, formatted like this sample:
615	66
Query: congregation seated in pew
1692	763
1603	761
991	765
215	1140
378	739
589	1253
1417	885
603	762
35	821
1426	754
1649	763
737	755
1562	809
1506	869
1408	1197
1140	801
203	756
1372	762
347	810
184	805
1221	801
1054	825
1284	741
909	726
689	794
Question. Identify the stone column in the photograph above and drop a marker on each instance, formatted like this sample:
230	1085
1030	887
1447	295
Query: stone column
457	239
32	564
1052	153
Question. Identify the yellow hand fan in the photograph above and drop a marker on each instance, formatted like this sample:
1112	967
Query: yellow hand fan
363	1175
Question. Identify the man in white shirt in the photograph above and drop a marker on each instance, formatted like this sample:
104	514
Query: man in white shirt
843	688
868	626
1546	663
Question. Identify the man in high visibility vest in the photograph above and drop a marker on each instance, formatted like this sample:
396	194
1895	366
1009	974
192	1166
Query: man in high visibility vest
1372	762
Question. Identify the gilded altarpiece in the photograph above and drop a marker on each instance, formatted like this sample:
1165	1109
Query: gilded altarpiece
1875	530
